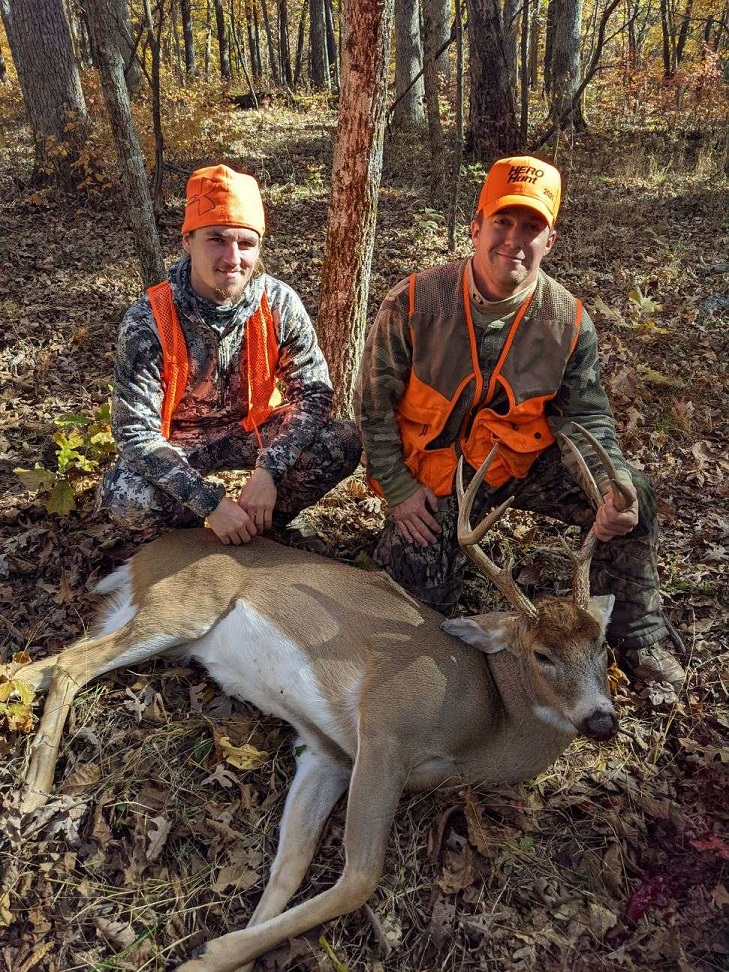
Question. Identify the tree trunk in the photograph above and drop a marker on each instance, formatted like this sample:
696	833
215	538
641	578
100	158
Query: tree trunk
332	53
154	39
253	45
318	54
284	48
355	184
439	12
272	55
222	41
458	151
566	66
408	112
40	43
101	20
669	54
300	44
512	11
188	38
4	79
132	69
493	129
435	129
549	47
524	71
683	32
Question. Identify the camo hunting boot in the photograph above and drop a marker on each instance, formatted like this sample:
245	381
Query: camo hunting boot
655	663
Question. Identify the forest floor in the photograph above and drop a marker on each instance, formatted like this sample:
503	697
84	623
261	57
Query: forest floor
616	857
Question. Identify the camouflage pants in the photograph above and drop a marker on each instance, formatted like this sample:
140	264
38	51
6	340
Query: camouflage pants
625	567
133	503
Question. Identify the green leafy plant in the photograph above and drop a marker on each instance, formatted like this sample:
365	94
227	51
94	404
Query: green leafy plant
83	442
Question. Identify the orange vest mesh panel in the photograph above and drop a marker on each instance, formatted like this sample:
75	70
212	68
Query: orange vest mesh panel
263	395
174	350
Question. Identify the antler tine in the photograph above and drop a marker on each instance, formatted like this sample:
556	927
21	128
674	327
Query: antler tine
621	494
469	538
588	480
582	559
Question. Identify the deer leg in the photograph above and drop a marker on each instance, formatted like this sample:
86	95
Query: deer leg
377	782
65	675
318	784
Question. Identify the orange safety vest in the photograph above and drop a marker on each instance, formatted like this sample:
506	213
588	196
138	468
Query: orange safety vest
262	346
530	370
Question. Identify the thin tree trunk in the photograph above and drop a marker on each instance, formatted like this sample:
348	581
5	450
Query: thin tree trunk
208	39
683	32
222	40
435	129
331	44
284	47
318	54
178	62
524	72
189	38
511	12
667	47
300	44
272	55
355	185
4	79
566	64
131	163
154	38
458	151
409	96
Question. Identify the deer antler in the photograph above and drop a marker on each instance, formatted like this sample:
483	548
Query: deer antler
582	558
469	538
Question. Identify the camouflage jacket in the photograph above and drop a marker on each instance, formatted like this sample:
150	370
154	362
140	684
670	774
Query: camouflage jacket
215	400
386	368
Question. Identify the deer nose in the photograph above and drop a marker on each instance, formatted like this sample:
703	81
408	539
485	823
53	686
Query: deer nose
601	725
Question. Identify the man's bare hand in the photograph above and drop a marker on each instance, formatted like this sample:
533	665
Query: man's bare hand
414	519
230	523
258	498
610	521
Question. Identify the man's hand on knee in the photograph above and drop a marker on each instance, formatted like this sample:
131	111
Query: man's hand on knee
611	522
414	518
258	498
230	523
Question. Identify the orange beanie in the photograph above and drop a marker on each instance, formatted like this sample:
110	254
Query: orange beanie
218	196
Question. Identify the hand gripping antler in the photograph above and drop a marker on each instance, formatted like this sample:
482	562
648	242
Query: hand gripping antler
582	558
469	539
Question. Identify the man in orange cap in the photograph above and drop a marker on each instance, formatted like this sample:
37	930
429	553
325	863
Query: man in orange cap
490	350
201	363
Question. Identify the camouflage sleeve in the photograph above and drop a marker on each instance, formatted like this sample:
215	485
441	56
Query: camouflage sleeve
304	371
583	399
136	416
384	371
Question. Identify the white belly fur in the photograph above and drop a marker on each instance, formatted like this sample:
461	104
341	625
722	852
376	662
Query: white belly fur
251	659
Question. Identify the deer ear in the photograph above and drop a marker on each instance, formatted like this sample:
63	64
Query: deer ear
490	640
601	608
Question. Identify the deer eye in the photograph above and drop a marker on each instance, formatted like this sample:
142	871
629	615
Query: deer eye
542	658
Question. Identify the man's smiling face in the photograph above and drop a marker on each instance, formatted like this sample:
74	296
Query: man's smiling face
223	260
509	248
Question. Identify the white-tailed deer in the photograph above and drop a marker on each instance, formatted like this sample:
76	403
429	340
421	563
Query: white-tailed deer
383	692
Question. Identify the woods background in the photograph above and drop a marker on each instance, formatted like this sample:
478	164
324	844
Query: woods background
370	127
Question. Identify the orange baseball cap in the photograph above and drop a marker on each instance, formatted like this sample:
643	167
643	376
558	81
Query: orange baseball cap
522	181
219	196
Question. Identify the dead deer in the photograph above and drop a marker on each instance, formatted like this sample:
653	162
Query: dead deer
383	692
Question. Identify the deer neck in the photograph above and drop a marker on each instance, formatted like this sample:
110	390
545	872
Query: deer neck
531	736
